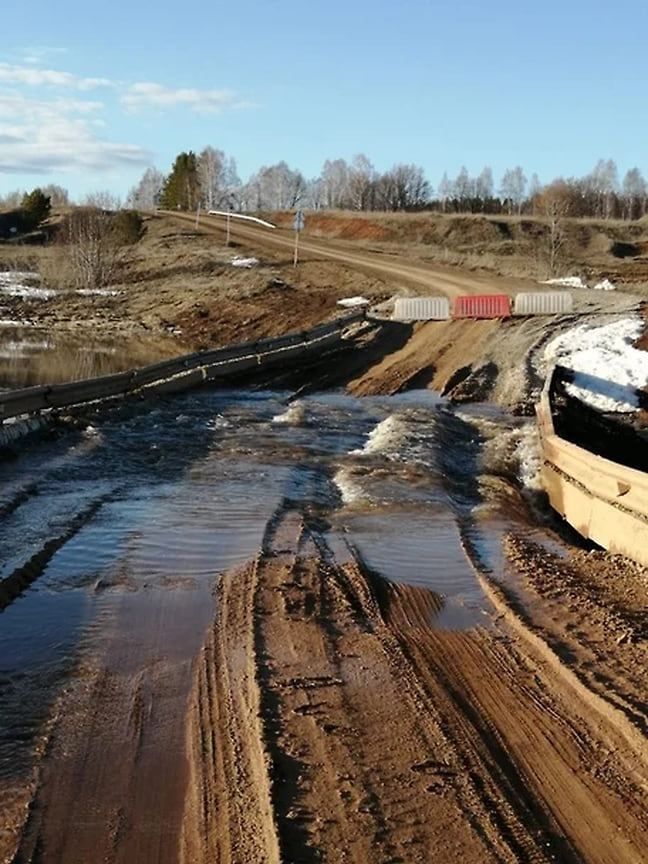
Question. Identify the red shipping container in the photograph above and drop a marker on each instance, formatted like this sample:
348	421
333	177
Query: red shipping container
482	306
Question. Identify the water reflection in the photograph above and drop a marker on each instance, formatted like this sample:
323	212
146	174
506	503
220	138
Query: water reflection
30	356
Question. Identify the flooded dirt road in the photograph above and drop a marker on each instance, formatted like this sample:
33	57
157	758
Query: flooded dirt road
240	627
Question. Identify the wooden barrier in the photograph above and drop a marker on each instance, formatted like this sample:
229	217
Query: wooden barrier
603	500
180	373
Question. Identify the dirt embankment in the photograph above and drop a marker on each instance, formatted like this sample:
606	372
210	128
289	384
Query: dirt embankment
331	721
181	291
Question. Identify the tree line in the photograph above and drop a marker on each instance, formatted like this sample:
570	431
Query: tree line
210	180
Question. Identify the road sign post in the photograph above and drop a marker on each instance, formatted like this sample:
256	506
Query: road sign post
298	225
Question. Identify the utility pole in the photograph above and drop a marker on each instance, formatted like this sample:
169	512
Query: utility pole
229	219
298	225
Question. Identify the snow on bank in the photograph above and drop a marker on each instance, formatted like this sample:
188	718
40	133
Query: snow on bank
16	283
604	285
566	282
607	367
350	302
244	262
578	282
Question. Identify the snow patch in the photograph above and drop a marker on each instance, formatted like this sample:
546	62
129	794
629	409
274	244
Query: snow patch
604	285
15	283
578	282
353	301
27	292
607	367
239	261
9	322
566	282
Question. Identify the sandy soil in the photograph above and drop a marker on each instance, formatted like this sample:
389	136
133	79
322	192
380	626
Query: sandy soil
331	721
325	717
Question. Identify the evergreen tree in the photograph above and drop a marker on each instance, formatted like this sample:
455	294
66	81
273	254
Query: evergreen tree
35	206
181	190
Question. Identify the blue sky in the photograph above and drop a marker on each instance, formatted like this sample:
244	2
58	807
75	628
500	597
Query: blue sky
93	94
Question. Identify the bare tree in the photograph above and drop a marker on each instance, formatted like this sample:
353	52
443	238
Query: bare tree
11	200
361	181
102	199
513	188
146	195
602	185
484	187
462	188
404	187
313	198
554	207
274	187
95	240
211	176
635	191
335	184
446	191
58	196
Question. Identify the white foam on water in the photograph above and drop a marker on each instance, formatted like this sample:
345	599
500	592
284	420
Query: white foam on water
351	491
529	457
384	438
294	415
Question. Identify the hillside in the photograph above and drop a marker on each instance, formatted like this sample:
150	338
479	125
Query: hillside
180	288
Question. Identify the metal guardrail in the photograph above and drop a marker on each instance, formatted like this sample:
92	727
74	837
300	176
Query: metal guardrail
180	373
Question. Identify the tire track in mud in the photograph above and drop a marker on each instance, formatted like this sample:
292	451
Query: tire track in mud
330	719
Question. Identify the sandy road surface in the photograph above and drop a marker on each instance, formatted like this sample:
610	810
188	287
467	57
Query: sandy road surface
428	278
330	721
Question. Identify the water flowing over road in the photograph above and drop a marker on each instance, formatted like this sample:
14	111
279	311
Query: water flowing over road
115	535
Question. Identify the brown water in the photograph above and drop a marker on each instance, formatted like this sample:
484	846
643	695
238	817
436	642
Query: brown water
181	492
31	356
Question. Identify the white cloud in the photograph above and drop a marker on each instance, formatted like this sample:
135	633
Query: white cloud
148	94
41	137
47	127
33	77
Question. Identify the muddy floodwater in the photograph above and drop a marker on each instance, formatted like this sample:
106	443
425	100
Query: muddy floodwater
153	505
118	531
30	356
